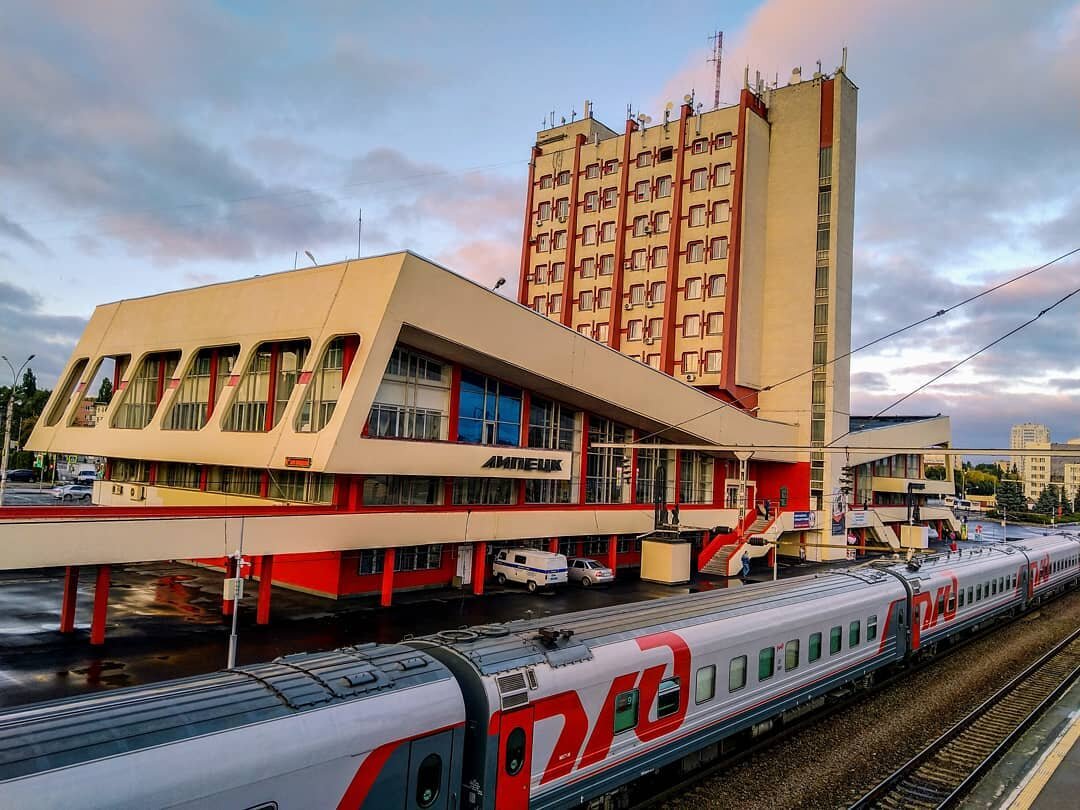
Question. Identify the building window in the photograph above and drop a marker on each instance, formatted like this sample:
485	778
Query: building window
717	286
603	480
585	300
692	291
234	480
603	298
128	470
722	175
490	411
543	243
418	558
657	290
641	226
723	140
552	426
370	561
659	256
144	390
695	252
653	361
267	384
699	146
637	259
602	328
611	166
559	242
484	491
666	153
713	362
324	387
655	472
412	399
637	294
690	362
588	267
695	477
588	235
207	377
697	216
691	326
555	303
592	201
546	181
592	171
562	208
610	196
304	487
180	476
699	179
634	330
558	271
607	232
656	328
563	178
585	329
714	323
541	273
718	248
607	264
644	159
641	190
543	211
402	490
721	211
663	221
663	186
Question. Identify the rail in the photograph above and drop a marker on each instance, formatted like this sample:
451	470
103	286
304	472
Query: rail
944	771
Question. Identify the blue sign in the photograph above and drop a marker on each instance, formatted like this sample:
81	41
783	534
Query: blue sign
804	520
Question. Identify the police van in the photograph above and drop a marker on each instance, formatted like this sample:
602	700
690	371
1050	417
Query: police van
535	569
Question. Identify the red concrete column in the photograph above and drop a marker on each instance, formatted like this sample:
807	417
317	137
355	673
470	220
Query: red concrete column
266	582
227	605
71	592
566	317
101	605
553	545
615	317
613	553
386	596
671	297
526	237
479	569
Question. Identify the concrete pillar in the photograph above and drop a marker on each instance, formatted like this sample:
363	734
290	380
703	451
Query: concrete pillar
613	552
479	568
386	596
227	605
71	592
553	545
266	583
101	605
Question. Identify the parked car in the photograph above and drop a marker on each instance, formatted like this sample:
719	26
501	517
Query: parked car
24	476
536	569
73	492
589	572
86	477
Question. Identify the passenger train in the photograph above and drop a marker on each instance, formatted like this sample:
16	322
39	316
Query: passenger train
548	713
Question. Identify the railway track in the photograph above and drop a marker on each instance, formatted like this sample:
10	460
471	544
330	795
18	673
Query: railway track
945	770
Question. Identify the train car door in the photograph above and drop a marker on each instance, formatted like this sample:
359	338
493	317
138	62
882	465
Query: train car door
430	761
515	759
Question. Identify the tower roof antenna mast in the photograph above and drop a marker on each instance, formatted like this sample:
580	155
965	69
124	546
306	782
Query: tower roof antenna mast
717	54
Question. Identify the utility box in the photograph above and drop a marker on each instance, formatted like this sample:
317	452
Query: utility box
666	561
914	536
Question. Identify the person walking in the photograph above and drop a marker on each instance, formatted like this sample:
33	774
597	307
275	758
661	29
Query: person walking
745	565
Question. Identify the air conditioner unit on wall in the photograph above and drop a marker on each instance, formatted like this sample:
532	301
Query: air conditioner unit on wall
137	493
691	377
629	306
117	489
649	340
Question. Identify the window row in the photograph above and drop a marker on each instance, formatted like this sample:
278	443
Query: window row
638	329
280	485
406	558
975	593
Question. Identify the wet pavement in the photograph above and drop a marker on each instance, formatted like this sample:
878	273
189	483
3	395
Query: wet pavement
18	494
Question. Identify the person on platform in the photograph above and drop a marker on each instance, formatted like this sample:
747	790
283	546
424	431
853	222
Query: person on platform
745	565
963	529
978	531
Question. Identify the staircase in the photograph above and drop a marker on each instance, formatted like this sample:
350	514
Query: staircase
727	560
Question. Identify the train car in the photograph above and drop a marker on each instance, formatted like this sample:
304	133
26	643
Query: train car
1053	564
371	726
954	592
569	708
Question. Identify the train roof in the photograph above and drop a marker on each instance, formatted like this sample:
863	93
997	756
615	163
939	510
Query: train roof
976	555
569	638
58	733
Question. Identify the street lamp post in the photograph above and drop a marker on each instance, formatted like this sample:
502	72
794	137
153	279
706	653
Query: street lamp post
7	421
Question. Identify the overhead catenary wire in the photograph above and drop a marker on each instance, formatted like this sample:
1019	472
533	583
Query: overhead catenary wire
913	325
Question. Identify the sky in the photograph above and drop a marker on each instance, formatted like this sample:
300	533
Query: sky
151	146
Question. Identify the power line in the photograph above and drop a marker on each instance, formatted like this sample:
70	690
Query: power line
873	342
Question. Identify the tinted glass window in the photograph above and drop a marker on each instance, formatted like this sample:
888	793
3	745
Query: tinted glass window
766	663
836	638
706	683
791	654
626	710
871	628
853	634
667	698
515	751
429	779
737	674
815	647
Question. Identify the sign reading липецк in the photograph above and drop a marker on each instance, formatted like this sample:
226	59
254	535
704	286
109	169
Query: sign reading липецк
525	463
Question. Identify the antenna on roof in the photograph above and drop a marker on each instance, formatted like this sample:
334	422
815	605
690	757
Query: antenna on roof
717	54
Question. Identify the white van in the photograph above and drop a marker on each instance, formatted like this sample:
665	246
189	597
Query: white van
534	568
962	504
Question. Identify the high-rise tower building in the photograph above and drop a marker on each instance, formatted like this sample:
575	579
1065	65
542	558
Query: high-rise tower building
714	246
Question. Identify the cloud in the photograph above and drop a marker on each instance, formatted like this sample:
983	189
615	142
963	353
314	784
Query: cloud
10	229
25	329
486	261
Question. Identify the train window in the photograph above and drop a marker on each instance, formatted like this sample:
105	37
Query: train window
515	751
978	593
941	604
626	710
766	663
871	628
429	777
854	630
706	683
815	647
971	594
1001	586
836	638
791	654
667	697
961	597
736	678
993	586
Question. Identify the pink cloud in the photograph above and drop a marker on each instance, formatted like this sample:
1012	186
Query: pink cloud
485	261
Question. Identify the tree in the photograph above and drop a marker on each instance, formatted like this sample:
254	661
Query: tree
1009	497
28	389
935	473
105	393
1048	501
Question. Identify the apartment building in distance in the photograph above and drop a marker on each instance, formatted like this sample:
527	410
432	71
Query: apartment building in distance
714	246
